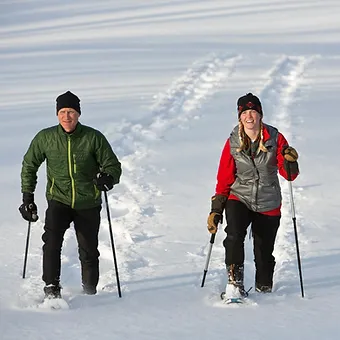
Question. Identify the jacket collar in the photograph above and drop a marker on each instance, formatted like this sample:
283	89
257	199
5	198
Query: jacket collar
266	134
75	133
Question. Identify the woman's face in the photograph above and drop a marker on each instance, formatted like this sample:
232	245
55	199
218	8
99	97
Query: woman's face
250	119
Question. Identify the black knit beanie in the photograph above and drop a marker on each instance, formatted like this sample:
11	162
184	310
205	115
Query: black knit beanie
68	99
249	102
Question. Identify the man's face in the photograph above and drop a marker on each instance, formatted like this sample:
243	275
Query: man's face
68	118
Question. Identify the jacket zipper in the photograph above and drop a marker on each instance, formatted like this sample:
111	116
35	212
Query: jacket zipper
256	184
73	195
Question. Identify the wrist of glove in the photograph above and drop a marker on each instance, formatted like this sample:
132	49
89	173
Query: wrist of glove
290	160
291	168
28	208
218	203
290	154
103	181
213	220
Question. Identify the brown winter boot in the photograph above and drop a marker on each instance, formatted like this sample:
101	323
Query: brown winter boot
235	277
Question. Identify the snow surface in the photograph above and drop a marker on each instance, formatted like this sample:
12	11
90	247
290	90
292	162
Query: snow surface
161	78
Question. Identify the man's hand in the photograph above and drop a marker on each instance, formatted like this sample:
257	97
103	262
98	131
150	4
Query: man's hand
103	181
28	208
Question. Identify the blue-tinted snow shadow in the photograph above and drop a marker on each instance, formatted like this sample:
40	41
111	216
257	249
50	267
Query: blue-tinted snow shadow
322	271
165	282
318	273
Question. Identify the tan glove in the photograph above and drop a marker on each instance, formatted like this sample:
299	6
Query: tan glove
290	154
213	220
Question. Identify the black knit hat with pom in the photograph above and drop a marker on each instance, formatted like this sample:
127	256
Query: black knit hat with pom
249	102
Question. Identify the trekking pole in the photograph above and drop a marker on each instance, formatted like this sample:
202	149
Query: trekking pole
35	218
26	250
112	244
212	240
295	228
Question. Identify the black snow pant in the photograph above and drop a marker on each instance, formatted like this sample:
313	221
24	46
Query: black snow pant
264	230
86	224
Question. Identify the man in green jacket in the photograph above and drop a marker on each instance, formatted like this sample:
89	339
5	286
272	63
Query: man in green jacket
80	164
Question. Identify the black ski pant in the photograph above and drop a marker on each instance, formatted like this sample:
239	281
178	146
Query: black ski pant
86	224
264	230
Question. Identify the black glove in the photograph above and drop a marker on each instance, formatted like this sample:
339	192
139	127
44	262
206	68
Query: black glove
218	203
28	208
103	182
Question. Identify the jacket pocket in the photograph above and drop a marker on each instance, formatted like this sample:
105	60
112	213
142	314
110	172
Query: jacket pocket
52	185
96	192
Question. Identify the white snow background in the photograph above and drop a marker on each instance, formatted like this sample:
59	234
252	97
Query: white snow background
160	78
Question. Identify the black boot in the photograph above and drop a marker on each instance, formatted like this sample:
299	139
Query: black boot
263	288
89	290
90	277
264	278
52	292
235	277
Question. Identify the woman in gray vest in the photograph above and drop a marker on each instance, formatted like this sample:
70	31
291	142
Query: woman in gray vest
248	190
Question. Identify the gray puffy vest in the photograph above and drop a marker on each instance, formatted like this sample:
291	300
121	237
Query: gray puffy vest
257	184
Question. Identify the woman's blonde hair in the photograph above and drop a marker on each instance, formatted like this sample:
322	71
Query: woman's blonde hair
245	140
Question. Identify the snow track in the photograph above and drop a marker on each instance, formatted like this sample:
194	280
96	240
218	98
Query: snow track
280	95
187	93
132	204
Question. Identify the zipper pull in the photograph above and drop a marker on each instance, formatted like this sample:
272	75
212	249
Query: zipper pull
74	164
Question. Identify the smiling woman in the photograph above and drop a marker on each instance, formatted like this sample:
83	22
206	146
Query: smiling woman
253	154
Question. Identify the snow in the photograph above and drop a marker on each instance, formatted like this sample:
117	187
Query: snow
161	79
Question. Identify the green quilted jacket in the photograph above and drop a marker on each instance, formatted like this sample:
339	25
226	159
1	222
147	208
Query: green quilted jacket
72	162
